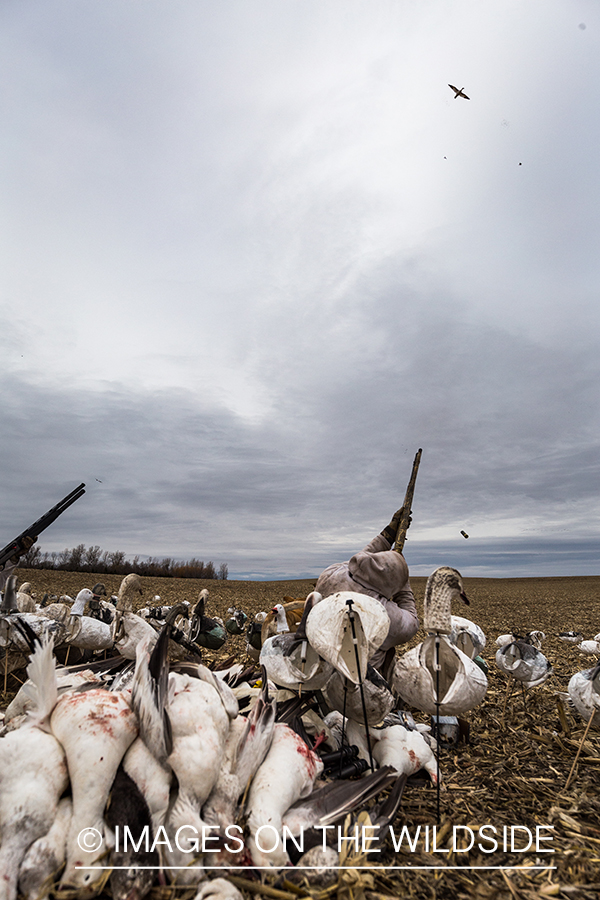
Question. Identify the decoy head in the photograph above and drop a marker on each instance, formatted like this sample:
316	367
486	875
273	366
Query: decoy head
130	587
447	579
9	601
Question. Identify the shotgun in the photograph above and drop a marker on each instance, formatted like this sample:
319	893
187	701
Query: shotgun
406	512
21	544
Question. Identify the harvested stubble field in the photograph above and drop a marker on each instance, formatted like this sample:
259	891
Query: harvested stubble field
512	772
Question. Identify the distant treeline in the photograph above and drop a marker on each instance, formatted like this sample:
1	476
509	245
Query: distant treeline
94	559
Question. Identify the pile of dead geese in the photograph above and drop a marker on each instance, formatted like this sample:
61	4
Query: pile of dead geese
147	767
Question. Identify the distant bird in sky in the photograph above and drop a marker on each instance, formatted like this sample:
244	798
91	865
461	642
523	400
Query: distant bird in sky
458	92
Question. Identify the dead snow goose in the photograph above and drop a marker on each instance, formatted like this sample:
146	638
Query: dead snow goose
406	751
46	856
95	728
199	726
247	744
287	774
33	774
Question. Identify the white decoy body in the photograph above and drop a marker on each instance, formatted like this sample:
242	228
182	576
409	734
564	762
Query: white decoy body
589	648
95	728
467	636
127	628
407	751
462	684
571	637
505	639
33	775
329	631
584	692
46	856
291	661
87	633
129	631
536	639
523	662
25	601
287	774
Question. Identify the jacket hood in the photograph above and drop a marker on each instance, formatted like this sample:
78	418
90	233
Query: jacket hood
385	572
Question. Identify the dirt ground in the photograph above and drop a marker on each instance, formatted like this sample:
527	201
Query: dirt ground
512	772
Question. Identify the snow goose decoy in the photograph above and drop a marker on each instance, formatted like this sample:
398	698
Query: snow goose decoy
584	691
253	636
85	632
283	617
204	631
25	600
462	684
33	774
589	648
329	631
290	660
570	637
535	638
236	622
128	628
523	662
467	636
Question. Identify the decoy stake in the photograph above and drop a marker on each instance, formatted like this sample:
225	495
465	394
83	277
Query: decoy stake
360	682
585	734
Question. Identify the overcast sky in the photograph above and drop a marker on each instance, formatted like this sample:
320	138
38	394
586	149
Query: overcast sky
255	255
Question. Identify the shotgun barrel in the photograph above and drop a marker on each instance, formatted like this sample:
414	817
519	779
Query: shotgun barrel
21	544
407	508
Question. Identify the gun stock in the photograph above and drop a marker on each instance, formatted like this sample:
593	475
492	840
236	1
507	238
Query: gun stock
27	538
408	498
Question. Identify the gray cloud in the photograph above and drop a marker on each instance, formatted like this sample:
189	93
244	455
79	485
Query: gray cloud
257	255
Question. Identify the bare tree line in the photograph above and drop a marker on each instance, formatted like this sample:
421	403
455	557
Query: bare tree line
94	559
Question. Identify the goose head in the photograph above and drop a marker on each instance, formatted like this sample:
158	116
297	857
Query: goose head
443	586
130	589
84	596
